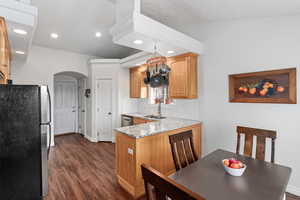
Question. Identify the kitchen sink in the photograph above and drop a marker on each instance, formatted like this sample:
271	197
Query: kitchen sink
154	117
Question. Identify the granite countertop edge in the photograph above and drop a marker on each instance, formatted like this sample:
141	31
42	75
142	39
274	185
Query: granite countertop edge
156	127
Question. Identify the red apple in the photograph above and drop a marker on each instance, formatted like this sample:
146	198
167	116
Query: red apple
241	164
235	165
232	160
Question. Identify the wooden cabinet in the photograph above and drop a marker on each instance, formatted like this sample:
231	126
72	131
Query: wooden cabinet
183	76
137	120
138	89
4	53
154	151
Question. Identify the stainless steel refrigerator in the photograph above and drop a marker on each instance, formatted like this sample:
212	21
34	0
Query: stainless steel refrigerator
25	138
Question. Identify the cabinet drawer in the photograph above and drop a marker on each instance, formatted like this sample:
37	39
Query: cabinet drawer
137	120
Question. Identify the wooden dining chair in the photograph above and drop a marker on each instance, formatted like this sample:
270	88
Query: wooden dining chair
261	135
183	149
160	187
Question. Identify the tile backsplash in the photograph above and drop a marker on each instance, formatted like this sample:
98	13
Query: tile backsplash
188	109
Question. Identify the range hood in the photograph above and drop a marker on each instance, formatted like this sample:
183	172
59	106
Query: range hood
19	15
132	25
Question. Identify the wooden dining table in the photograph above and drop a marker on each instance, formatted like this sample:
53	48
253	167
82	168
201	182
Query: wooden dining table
260	181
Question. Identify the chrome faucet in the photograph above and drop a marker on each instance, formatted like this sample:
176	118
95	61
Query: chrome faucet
159	109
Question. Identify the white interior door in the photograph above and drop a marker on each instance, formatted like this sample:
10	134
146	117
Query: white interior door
104	110
65	107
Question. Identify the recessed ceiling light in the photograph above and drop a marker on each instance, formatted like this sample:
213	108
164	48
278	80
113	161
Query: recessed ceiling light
20	31
54	35
138	42
98	34
170	52
20	52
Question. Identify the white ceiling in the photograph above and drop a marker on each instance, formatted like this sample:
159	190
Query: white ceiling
76	21
178	12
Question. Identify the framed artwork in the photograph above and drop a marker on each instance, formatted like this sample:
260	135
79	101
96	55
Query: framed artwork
276	86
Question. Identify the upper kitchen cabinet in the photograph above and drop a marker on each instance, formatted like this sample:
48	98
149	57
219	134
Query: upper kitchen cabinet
183	76
183	83
5	55
138	89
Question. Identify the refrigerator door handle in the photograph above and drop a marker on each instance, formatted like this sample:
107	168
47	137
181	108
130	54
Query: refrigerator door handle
50	106
50	120
50	140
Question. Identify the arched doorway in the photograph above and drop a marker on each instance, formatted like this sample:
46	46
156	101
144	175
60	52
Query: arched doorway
69	103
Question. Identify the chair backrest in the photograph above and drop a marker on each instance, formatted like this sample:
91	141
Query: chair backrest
160	187
183	150
261	135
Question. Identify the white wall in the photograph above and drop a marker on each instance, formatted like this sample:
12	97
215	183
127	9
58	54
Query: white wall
44	63
247	46
237	47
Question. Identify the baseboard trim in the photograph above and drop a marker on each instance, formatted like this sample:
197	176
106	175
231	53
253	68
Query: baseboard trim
126	186
293	190
91	139
64	134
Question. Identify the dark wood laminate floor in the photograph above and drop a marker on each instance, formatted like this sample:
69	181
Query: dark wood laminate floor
81	170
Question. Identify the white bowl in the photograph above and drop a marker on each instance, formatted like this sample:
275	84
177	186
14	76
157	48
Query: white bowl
232	171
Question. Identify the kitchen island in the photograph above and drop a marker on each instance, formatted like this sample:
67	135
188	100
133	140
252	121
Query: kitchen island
149	143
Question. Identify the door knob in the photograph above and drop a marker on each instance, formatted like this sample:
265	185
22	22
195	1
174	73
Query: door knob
73	110
109	113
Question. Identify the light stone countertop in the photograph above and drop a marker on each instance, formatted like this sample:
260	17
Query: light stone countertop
140	115
152	128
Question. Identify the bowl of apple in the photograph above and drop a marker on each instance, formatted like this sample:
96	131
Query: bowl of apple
234	167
